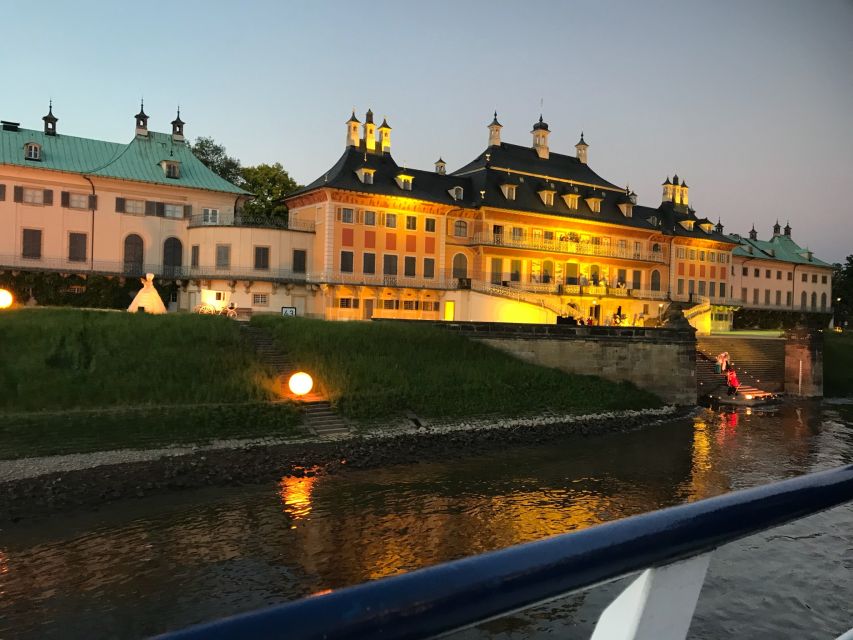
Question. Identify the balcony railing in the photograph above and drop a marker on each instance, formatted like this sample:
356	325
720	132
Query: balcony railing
671	547
798	308
562	246
229	219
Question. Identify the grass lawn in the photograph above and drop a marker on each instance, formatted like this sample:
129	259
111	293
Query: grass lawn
72	359
376	370
838	364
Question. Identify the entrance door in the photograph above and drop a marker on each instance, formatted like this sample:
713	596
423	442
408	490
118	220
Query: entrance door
449	310
368	308
498	232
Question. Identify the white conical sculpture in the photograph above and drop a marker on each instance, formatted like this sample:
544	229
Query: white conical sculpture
147	299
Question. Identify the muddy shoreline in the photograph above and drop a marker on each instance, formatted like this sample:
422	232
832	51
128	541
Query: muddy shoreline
92	487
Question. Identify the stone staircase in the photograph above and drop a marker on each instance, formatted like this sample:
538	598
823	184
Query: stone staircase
319	417
711	383
523	296
759	361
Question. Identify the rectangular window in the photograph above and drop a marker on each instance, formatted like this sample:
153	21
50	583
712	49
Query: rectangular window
767	296
344	303
368	263
778	298
346	261
210	216
743	294
389	265
33	196
515	270
429	267
790	275
701	287
223	256
299	260
712	289
778	275
136	207
517	234
77	247
370	218
262	258
712	257
194	251
497	270
429	225
680	286
391	220
814	278
410	305
756	273
175	211
755	296
823	279
722	289
693	254
260	300
702	255
409	266
635	280
346	216
78	201
549	236
390	305
411	223
31	244
680	252
789	297
745	271
767	273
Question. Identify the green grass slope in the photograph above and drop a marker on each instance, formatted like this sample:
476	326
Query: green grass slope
375	370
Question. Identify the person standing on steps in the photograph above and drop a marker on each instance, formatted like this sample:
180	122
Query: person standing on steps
732	381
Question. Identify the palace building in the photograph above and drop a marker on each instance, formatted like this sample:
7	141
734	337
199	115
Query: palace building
519	234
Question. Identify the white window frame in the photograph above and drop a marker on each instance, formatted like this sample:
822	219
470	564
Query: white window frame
347	215
33	196
135	207
78	201
391	220
32	151
260	299
210	216
370	218
177	211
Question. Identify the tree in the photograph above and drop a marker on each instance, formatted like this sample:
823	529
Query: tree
270	183
842	287
214	157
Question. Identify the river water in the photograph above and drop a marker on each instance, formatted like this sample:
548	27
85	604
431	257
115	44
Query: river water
141	567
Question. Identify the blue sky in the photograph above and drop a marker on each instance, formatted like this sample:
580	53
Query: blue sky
750	101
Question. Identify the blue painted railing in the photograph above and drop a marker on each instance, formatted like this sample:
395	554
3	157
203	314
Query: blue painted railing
458	594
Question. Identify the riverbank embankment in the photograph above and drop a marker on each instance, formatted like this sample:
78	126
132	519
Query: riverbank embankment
35	485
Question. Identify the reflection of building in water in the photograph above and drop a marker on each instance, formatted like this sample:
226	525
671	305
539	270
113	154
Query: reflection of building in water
296	495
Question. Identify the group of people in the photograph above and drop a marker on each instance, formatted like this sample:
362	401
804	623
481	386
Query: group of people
727	368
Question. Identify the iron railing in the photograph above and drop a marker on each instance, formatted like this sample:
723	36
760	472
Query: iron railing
558	245
239	219
671	546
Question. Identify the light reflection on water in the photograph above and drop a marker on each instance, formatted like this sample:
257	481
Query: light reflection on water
141	567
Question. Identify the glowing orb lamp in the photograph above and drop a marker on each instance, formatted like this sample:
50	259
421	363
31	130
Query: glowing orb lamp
300	383
6	299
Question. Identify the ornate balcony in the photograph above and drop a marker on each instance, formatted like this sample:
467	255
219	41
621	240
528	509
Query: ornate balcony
561	245
240	219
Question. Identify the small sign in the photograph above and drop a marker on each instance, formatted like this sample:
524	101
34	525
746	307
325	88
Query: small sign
288	312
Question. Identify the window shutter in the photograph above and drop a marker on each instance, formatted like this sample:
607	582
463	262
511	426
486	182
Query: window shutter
18	194
64	198
48	196
93	201
150	208
161	209
119	205
188	211
2	192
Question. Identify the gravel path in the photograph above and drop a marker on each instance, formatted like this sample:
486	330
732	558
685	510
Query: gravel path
22	468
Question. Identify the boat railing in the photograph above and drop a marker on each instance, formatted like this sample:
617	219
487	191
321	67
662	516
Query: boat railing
670	547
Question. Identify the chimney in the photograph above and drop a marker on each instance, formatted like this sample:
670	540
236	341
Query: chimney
352	130
540	138
369	132
581	148
178	128
385	136
50	121
495	132
141	121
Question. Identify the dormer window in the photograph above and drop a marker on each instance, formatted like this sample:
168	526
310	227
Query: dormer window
687	224
571	200
172	168
456	193
547	197
32	151
627	209
404	182
707	227
509	191
365	175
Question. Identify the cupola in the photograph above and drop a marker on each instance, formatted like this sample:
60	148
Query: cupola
753	234
141	121
385	136
495	132
50	121
777	230
788	229
668	192
352	130
369	132
440	167
581	148
719	227
684	191
178	128
540	138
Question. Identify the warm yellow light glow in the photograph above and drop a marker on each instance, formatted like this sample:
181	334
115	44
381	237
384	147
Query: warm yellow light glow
748	396
300	383
6	299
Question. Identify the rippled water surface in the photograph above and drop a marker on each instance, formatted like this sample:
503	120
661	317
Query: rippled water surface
145	566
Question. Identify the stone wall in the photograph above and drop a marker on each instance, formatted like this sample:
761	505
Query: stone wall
662	361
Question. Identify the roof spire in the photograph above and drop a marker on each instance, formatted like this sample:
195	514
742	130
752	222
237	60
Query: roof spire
141	120
50	121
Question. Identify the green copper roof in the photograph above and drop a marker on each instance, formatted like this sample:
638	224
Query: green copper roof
138	160
781	248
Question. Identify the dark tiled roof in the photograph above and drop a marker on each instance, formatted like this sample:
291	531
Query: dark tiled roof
669	218
426	185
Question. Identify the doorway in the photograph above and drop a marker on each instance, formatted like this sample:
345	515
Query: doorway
449	310
368	308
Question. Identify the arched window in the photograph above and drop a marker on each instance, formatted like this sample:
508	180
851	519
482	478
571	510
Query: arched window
804	300
571	273
655	248
172	257
823	302
460	265
547	271
460	229
133	264
814	300
655	280
32	151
